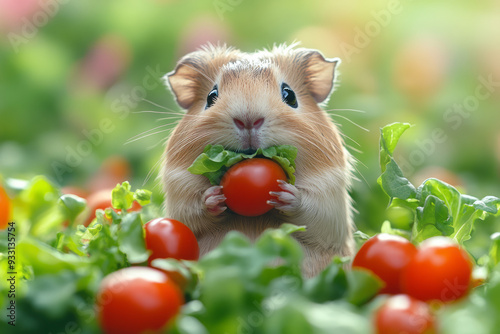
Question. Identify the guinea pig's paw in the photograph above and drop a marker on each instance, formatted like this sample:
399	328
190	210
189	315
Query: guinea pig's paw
288	200
214	200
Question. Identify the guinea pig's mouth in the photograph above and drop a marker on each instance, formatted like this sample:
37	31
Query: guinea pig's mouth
246	151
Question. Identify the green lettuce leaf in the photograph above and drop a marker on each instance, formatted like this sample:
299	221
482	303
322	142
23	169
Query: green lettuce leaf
392	179
72	205
439	208
215	160
122	197
389	137
131	239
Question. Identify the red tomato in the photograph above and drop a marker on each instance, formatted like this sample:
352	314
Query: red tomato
102	200
440	270
386	256
4	208
137	299
247	184
169	238
403	314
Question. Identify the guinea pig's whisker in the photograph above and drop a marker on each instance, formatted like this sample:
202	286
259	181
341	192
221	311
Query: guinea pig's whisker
352	140
154	112
353	110
181	145
352	148
153	146
158	105
351	121
182	116
359	162
151	170
150	130
145	134
303	135
361	175
331	115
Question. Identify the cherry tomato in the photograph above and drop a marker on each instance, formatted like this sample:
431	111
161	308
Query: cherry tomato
440	270
169	238
403	314
102	200
136	300
386	256
247	184
4	208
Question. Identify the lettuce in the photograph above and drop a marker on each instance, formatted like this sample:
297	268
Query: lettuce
215	160
439	208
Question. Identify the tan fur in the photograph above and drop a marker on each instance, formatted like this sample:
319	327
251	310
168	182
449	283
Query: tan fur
250	88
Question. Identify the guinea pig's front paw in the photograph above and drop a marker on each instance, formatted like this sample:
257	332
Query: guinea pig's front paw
214	200
288	200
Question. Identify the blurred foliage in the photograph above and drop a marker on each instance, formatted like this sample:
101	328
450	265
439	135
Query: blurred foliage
76	76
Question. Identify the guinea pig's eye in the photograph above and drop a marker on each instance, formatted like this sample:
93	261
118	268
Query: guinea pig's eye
212	96
288	96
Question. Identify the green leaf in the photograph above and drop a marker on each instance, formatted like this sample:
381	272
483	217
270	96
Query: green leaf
363	285
433	219
251	259
291	228
64	241
360	238
330	284
122	197
445	192
439	208
47	260
476	314
105	237
387	228
188	270
411	203
278	243
188	325
39	211
53	294
131	238
489	204
142	196
72	205
394	183
295	315
494	253
463	209
389	137
215	160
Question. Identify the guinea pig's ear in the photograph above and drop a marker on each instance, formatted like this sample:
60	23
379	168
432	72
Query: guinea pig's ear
183	81
320	74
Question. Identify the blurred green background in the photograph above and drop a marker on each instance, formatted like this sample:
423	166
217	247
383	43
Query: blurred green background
75	77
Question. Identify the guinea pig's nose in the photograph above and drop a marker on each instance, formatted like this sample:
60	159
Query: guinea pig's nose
248	124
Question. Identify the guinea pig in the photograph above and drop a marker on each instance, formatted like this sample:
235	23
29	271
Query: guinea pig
244	101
